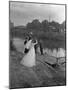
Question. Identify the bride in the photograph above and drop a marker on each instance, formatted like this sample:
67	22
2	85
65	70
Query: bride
29	59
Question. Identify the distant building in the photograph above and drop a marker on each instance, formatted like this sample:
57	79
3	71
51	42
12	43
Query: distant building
52	29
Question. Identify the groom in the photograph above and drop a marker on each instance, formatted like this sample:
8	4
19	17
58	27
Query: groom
40	45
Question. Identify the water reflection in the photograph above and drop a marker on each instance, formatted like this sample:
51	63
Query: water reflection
19	44
56	53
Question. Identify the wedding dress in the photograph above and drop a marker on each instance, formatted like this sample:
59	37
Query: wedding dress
29	59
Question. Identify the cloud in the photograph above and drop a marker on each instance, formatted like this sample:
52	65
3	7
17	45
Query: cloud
22	13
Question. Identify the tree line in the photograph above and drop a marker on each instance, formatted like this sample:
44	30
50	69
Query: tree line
46	26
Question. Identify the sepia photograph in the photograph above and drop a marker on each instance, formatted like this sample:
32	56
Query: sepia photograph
37	40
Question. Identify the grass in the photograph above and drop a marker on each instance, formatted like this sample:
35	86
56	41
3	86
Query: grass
42	75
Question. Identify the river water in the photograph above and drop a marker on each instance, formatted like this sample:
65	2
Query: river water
19	44
56	53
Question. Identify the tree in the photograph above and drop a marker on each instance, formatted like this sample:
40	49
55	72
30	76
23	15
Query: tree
55	25
35	24
45	25
29	26
63	26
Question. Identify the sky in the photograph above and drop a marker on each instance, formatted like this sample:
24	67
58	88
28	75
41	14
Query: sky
22	13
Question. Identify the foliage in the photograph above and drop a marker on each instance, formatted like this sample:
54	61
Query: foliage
49	32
